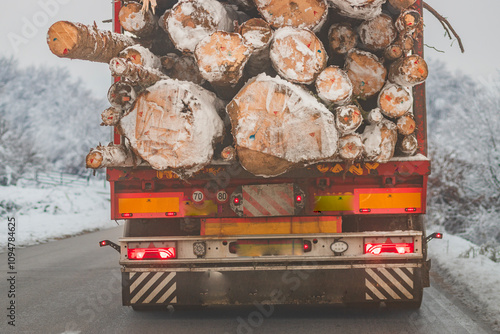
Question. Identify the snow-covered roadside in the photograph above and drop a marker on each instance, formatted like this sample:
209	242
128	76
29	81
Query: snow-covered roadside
44	214
477	275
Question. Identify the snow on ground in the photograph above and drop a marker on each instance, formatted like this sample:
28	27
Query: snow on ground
475	275
44	213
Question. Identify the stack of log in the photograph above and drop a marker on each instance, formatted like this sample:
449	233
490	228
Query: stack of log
276	84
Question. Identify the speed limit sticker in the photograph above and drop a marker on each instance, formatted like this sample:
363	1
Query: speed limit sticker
222	196
198	196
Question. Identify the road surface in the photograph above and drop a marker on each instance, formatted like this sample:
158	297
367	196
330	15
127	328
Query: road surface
73	286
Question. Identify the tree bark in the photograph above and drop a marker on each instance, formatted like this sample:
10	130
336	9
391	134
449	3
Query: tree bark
342	38
308	14
122	95
110	156
401	4
189	21
367	73
277	125
406	125
334	86
380	140
298	55
348	119
409	71
182	68
358	9
350	147
78	41
408	145
174	125
221	58
111	116
394	101
134	73
137	21
258	34
141	56
377	33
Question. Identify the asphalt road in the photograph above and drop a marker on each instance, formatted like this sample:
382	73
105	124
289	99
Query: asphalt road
73	286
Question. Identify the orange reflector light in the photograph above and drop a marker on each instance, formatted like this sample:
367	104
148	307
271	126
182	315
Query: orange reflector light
400	248
152	253
127	215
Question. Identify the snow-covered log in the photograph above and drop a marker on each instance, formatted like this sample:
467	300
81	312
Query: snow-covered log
134	73
258	34
308	14
174	125
366	71
122	95
408	145
406	125
351	147
377	33
334	86
375	116
401	4
348	119
110	156
342	38
111	116
79	41
182	68
277	125
409	71
137	21
393	52
380	140
358	9
394	101
298	55
408	22
141	56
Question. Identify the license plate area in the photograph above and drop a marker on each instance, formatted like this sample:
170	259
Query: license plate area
267	247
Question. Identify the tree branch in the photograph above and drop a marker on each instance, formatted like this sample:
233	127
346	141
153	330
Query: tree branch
446	25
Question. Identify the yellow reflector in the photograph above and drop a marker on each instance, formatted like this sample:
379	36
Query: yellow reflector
334	203
148	205
390	200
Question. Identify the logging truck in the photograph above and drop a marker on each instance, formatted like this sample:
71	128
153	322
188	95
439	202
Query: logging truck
302	204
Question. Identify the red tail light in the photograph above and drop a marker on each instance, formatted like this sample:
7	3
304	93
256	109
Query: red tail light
127	215
171	214
411	209
365	210
399	248
152	253
298	198
307	246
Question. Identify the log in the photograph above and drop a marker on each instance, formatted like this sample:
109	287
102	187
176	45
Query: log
342	38
394	101
375	116
377	33
245	5
277	125
258	34
137	21
174	125
379	141
366	71
122	95
408	22
298	55
111	116
78	41
221	58
308	14
358	9
141	56
406	125
228	153
393	52
189	21
408	71
348	119
110	156
134	73
408	145
351	147
401	4
334	86
182	68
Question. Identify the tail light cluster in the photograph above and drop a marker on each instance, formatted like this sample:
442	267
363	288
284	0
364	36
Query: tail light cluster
395	248
152	253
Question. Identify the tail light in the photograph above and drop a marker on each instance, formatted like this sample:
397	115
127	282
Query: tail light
383	248
307	246
152	253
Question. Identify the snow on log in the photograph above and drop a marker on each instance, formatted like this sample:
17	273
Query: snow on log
136	21
109	156
350	147
377	33
408	145
141	56
79	41
348	119
221	58
408	71
358	9
375	116
394	101
277	125
298	55
366	71
245	5
334	86
258	34
182	68
111	116
379	141
342	38
408	22
189	21
134	73
393	52
308	14
406	125
174	125
401	4
122	95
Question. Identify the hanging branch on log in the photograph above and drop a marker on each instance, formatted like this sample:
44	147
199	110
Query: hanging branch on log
342	38
111	116
142	23
134	73
79	41
121	95
110	156
446	25
182	68
334	86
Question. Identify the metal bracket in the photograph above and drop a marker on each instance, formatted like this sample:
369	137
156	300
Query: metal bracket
436	235
111	244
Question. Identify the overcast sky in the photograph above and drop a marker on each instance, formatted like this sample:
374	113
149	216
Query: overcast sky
24	24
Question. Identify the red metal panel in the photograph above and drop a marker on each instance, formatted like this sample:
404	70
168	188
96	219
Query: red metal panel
419	96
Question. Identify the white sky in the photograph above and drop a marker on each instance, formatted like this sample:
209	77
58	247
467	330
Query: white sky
27	21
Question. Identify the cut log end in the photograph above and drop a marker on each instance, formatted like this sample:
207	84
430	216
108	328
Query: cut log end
256	33
137	21
62	38
94	159
394	101
377	33
334	86
406	125
350	147
409	71
409	145
348	119
111	116
342	38
122	95
367	73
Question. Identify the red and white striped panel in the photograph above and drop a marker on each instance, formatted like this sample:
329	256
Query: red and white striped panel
268	200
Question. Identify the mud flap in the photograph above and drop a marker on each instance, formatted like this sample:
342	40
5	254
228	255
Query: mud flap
393	284
149	288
